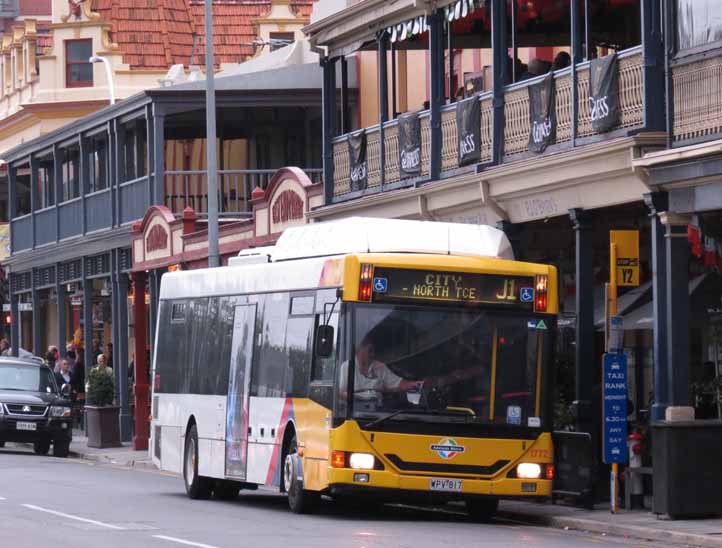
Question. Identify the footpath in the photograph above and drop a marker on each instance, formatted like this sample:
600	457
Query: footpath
636	524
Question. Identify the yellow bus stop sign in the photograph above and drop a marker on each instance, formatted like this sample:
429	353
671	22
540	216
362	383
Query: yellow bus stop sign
627	242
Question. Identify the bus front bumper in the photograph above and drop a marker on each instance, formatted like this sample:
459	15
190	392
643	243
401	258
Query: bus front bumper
386	483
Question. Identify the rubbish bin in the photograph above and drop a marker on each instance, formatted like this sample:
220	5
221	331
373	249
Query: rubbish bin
687	468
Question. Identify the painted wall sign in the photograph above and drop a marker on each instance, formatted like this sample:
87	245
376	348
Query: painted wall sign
156	239
287	206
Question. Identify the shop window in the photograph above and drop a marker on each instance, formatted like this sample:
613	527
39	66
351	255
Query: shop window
98	164
71	174
699	23
78	70
135	151
22	191
45	184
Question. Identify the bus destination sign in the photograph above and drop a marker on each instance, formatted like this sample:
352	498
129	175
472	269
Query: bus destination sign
391	284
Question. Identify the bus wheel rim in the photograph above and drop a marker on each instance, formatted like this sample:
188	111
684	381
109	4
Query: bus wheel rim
288	472
191	462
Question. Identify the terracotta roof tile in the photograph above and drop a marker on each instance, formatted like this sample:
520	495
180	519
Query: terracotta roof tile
154	34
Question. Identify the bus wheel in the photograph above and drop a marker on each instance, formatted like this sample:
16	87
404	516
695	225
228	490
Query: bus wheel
482	509
197	487
299	500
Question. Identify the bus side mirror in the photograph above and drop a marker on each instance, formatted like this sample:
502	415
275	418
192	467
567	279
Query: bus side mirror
324	341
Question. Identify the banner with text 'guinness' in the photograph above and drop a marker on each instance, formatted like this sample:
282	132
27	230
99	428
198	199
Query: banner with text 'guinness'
604	93
468	125
357	160
409	145
542	114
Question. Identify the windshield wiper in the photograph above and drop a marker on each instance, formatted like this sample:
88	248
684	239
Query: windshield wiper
393	414
15	389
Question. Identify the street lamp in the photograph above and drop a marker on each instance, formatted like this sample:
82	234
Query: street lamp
108	73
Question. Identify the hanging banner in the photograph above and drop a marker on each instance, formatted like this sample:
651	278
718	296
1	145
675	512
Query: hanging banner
542	114
357	160
410	145
468	124
604	93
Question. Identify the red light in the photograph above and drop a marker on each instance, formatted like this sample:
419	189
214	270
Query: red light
8	319
365	282
502	340
550	472
541	282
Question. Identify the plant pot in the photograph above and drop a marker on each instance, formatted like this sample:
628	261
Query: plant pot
103	424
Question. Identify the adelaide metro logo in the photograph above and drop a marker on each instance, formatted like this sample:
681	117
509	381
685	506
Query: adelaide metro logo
447	448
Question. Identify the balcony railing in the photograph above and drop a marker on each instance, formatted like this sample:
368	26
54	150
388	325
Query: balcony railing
697	90
516	127
190	189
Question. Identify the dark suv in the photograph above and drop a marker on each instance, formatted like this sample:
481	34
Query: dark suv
33	408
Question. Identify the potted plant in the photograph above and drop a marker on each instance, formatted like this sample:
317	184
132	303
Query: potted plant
102	417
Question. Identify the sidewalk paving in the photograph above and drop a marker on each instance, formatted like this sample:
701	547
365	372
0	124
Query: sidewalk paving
640	524
120	456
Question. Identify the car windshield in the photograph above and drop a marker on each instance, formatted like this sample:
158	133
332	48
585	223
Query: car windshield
26	378
445	364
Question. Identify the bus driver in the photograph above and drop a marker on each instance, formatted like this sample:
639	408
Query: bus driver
372	377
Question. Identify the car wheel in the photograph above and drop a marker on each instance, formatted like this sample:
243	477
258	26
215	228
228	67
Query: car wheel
300	501
226	490
61	448
197	487
482	510
41	447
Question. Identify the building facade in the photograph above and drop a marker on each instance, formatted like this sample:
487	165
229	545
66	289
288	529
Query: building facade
558	125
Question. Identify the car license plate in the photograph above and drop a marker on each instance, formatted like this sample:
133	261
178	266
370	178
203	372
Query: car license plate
26	426
441	484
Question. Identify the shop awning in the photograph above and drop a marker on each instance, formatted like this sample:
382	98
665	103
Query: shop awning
701	289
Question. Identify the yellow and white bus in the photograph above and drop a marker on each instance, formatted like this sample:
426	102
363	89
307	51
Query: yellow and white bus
361	357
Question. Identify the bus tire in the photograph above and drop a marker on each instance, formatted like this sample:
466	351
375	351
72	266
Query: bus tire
197	487
482	510
300	501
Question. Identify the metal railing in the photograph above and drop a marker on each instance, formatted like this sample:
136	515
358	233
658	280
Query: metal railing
697	103
516	124
235	187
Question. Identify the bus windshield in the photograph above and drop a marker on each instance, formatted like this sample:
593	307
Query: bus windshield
445	364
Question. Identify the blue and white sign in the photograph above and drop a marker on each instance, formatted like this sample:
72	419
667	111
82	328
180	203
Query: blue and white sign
614	395
381	285
526	294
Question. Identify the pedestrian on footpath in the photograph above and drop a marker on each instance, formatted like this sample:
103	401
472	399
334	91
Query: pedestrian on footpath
4	347
51	361
103	365
63	375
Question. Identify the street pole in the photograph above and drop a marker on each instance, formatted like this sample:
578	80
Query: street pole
213	257
613	312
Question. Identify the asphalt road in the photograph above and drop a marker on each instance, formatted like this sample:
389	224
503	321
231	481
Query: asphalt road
49	502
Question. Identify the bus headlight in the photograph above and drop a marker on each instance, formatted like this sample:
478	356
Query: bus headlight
361	461
528	470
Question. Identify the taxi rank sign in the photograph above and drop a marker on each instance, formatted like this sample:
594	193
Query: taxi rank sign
614	395
402	284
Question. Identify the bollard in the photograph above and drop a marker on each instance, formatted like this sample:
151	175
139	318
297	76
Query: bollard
634	445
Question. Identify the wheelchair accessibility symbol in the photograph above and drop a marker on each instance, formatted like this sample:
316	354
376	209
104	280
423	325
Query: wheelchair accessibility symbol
526	294
381	285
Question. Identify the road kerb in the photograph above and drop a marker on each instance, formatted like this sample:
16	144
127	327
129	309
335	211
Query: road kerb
104	459
620	530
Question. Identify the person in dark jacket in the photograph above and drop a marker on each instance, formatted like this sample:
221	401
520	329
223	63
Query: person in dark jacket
63	375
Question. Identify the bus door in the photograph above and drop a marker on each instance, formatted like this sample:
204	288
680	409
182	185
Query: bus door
244	327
